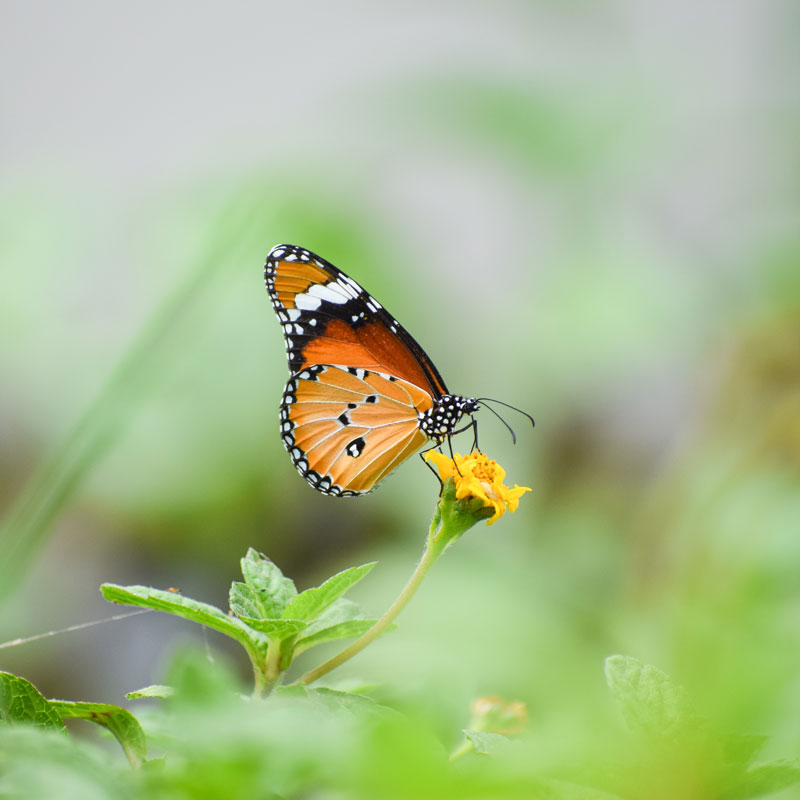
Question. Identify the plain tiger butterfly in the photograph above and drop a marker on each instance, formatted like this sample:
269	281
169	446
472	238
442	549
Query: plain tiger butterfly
363	396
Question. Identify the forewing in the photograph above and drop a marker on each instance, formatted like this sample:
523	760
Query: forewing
347	428
327	318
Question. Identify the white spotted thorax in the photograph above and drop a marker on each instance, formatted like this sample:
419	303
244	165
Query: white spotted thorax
440	421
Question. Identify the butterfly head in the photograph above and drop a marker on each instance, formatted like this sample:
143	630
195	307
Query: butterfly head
441	419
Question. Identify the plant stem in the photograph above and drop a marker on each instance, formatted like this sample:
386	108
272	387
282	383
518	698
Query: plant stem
464	748
260	683
267	673
273	659
433	549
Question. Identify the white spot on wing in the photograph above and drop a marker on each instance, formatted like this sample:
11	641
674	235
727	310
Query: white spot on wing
307	302
331	292
352	288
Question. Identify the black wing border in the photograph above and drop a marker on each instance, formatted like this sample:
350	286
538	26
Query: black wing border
371	306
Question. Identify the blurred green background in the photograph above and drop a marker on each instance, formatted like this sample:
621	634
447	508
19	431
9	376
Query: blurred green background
586	209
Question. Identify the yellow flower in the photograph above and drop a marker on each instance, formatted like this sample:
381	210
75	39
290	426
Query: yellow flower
478	476
494	714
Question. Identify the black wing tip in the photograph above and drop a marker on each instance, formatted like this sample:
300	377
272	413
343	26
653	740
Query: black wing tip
280	250
293	252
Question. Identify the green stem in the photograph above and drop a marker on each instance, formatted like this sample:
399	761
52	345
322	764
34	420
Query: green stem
268	673
465	747
260	682
434	547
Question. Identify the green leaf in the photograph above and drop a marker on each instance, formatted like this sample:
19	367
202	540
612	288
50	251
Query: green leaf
271	591
118	720
20	701
741	749
243	601
311	603
486	743
172	603
200	683
343	630
654	706
344	701
343	610
561	790
37	764
276	628
764	779
330	699
156	690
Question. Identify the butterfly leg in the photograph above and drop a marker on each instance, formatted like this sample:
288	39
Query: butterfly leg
450	446
473	423
431	468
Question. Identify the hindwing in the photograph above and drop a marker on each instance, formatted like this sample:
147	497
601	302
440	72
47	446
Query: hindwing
347	428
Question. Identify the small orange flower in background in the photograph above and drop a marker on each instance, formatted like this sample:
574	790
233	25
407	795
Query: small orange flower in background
478	476
494	714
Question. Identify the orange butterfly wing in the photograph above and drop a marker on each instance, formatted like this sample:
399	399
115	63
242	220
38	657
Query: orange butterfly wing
327	318
363	395
347	428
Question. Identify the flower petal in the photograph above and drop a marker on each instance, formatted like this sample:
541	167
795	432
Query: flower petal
476	476
445	465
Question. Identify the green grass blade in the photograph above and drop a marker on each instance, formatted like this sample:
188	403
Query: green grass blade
237	236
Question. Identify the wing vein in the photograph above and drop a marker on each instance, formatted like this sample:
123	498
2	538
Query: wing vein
389	467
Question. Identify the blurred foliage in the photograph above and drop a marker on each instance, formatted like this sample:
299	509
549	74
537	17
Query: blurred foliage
592	216
317	740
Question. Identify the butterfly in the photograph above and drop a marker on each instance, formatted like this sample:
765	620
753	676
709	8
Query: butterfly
363	396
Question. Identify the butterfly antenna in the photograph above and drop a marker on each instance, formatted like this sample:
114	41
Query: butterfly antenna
510	429
507	405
